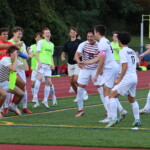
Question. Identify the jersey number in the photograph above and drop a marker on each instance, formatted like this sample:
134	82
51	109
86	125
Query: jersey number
111	49
133	59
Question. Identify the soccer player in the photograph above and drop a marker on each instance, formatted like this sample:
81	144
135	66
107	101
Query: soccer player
44	56
88	50
146	109
9	65
70	48
126	83
21	80
32	52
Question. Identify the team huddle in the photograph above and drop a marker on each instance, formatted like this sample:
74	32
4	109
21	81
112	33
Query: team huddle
111	66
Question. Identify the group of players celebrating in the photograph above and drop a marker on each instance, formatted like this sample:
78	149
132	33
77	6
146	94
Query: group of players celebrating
111	66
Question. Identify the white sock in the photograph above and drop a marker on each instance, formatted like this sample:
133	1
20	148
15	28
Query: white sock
25	99
36	88
147	105
135	108
32	89
52	90
7	100
107	101
101	92
113	108
46	92
79	98
14	106
119	106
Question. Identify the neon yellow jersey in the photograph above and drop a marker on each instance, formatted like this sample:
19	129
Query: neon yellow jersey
46	52
116	47
33	59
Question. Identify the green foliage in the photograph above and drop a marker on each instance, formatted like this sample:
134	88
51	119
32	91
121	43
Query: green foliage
60	15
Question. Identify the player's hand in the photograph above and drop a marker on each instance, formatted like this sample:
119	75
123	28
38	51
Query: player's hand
39	66
63	58
95	78
30	55
117	81
2	52
101	72
53	67
80	64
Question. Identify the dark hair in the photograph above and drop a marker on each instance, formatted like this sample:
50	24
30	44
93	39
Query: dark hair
115	32
90	31
101	29
12	48
124	37
39	33
3	30
73	28
16	29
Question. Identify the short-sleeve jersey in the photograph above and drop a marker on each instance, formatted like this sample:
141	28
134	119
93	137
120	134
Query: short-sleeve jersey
116	48
7	43
127	55
4	70
105	46
70	48
89	52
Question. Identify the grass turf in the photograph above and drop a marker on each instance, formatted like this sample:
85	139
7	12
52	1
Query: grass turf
58	126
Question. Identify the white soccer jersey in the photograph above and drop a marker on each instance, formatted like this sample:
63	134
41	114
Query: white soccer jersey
89	52
127	55
105	47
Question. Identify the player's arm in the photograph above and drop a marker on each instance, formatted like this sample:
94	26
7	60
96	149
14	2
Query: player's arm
63	54
77	57
91	61
24	66
146	52
39	46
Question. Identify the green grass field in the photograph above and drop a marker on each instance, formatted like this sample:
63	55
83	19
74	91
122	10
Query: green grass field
58	126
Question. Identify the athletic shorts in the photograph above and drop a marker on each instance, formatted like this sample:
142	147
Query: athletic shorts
73	70
127	86
4	85
45	70
86	74
34	76
22	74
109	76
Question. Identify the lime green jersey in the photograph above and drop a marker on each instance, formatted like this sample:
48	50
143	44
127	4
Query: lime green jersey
46	52
116	47
33	59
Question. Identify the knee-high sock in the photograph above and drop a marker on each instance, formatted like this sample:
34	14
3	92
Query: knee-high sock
101	92
119	106
7	100
135	108
80	91
147	105
107	100
36	88
25	99
113	108
32	90
52	90
46	92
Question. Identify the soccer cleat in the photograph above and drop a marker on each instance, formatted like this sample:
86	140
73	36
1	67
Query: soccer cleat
80	113
34	100
75	100
5	111
123	114
54	101
144	111
85	96
27	111
137	122
36	105
1	116
15	110
71	90
112	122
45	103
106	120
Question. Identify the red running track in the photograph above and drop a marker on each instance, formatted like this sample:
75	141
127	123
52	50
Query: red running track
62	85
40	147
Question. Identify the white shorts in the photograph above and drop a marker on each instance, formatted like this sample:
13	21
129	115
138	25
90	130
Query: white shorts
4	85
73	70
45	70
34	76
86	74
127	86
109	76
22	74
